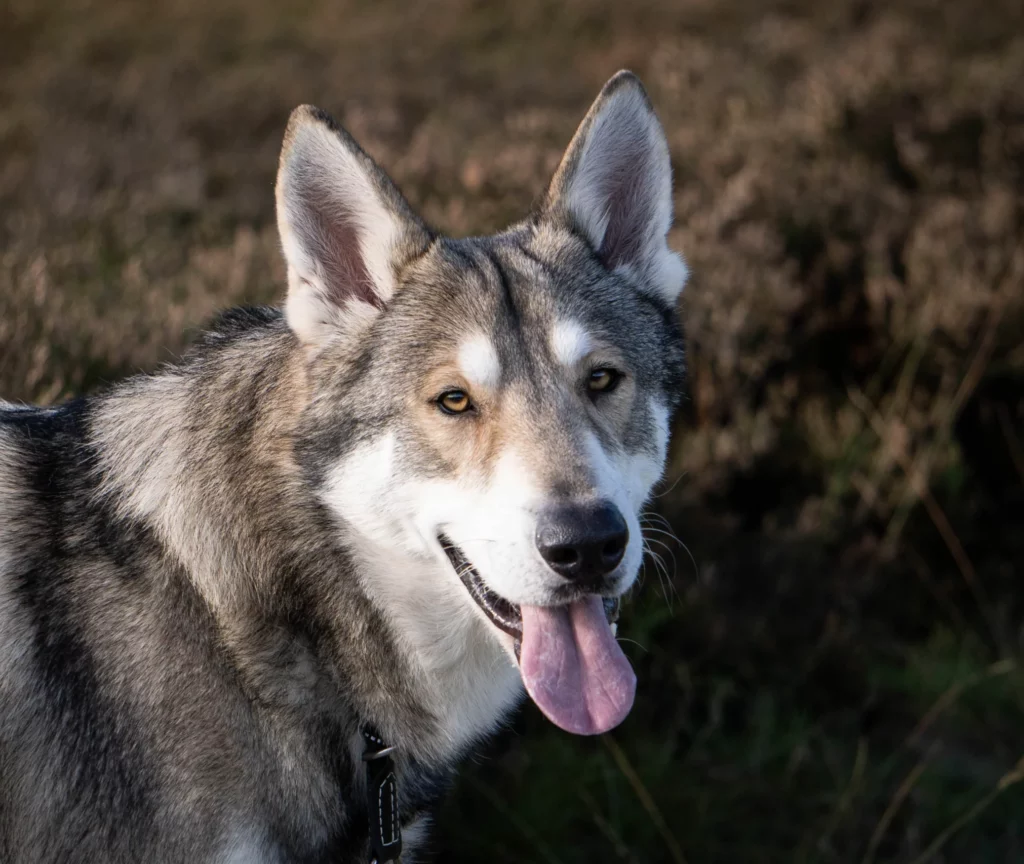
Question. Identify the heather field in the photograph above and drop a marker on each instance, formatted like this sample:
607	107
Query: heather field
830	630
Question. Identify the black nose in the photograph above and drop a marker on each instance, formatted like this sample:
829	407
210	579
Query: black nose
582	542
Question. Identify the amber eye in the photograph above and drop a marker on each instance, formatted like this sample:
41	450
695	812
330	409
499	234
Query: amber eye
454	402
603	380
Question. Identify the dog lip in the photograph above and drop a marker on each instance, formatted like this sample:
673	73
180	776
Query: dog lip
499	611
502	613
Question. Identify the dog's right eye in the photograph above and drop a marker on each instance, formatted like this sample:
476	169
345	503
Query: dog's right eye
603	380
454	402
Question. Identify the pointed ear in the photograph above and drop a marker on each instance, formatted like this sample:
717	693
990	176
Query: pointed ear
345	228
614	187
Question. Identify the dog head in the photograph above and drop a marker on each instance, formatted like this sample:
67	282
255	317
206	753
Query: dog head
500	404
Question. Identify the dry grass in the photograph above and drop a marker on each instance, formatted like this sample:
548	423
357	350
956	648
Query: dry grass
849	195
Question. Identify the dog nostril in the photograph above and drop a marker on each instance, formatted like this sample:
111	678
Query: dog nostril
612	552
613	548
562	556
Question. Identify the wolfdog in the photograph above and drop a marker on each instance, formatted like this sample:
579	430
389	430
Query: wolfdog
257	606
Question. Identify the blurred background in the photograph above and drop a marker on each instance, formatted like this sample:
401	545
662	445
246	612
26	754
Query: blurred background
830	666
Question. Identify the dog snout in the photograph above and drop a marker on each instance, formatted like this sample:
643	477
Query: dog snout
582	543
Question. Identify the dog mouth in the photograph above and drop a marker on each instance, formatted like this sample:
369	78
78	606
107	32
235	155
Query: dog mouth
504	615
569	660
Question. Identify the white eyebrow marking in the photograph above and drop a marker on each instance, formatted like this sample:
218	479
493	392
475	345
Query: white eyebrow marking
479	361
570	343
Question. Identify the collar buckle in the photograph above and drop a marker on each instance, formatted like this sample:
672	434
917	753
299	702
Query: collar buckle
381	798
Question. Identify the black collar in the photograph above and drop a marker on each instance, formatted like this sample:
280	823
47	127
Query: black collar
381	798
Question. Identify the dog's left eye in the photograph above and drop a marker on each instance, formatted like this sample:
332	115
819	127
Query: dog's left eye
603	380
454	402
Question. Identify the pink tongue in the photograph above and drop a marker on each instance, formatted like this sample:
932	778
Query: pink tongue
573	668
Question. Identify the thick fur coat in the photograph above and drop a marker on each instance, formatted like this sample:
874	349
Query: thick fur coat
212	577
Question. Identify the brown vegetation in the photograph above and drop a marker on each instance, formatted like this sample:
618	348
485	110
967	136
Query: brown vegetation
849	468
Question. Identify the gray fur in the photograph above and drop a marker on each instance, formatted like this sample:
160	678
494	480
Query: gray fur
190	636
